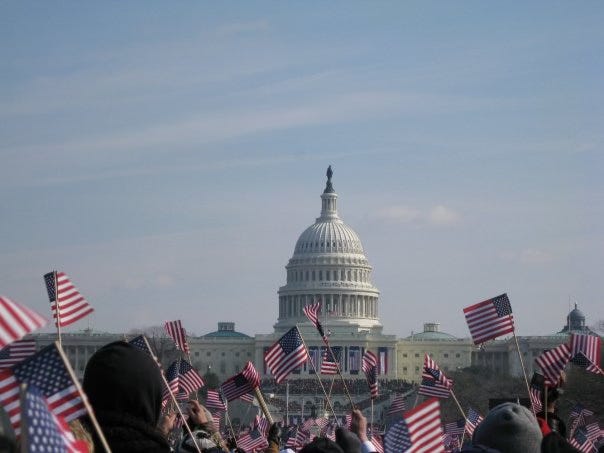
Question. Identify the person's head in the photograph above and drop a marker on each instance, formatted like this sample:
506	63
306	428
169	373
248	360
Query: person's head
322	445
509	428
120	378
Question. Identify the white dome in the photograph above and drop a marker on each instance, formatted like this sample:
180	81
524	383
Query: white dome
328	237
329	265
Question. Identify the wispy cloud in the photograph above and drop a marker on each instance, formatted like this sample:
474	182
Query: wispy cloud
437	216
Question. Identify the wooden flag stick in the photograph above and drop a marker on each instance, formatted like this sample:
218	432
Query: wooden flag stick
528	389
462	414
352	406
173	398
263	405
87	405
58	310
228	419
318	377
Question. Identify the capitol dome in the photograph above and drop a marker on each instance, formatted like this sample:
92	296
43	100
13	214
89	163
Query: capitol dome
329	265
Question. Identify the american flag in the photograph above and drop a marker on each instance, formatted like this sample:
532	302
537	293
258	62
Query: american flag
434	382
369	367
297	438
214	401
65	299
398	405
376	440
248	398
48	372
490	319
322	423
473	420
262	424
216	416
593	430
178	333
589	345
354	362
17	321
348	421
312	313
582	361
578	415
42	431
286	355
241	384
552	363
172	375
419	431
254	440
329	364
189	380
456	427
581	442
16	352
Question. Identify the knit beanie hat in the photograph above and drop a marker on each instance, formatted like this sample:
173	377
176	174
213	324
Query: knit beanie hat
120	378
322	445
509	428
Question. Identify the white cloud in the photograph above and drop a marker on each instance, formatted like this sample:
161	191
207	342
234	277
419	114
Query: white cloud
443	216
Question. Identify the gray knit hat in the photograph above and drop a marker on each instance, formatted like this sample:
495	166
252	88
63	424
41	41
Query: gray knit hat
509	428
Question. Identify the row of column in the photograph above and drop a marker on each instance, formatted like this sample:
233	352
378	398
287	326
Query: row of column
342	305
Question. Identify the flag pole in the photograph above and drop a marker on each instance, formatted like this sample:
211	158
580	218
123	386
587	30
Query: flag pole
318	377
80	391
528	390
263	405
372	418
352	406
185	422
462	414
58	321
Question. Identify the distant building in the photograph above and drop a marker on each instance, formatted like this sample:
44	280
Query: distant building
329	265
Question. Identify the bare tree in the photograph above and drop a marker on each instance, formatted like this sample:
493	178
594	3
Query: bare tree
162	345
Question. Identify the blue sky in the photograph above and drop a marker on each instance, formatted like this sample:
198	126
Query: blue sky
167	155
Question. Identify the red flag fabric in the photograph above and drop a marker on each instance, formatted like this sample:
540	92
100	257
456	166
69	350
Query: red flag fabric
66	302
490	319
178	333
286	355
552	363
369	367
16	321
420	430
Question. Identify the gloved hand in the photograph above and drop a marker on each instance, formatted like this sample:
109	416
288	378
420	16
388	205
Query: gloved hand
274	433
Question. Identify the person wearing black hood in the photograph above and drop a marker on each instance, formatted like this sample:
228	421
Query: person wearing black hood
124	387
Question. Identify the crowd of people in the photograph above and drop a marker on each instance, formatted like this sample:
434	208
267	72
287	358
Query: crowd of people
125	389
333	384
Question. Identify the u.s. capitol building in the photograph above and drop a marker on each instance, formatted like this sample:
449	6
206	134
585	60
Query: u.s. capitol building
329	265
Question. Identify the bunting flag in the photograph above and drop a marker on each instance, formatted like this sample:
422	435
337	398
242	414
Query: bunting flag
312	313
66	302
241	384
589	345
16	352
42	431
177	332
47	371
490	319
253	440
286	355
473	420
434	382
214	401
16	321
398	405
552	363
419	431
369	367
329	363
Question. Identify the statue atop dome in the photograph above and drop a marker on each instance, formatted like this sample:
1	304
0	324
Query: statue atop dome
328	186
